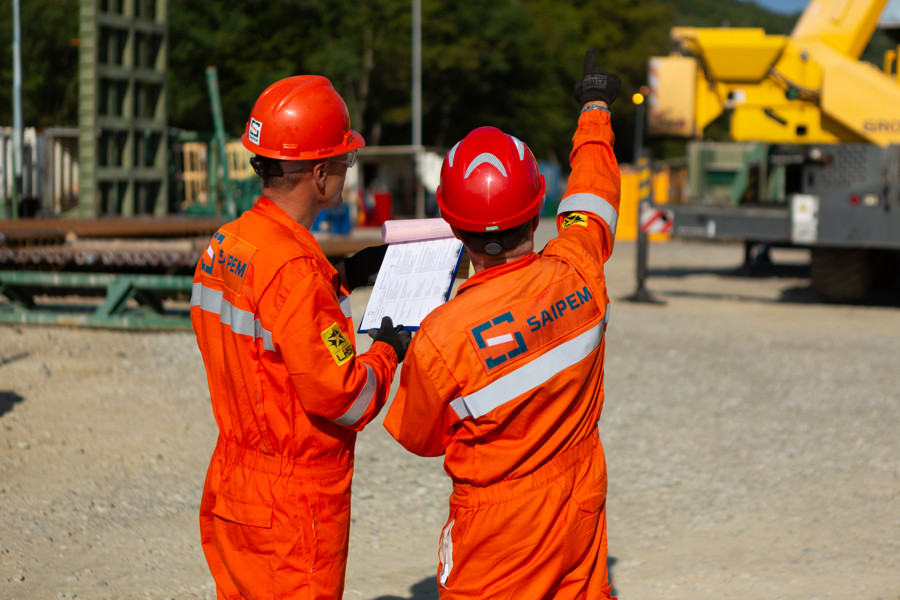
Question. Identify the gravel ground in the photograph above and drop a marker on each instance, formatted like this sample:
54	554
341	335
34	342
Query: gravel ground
750	434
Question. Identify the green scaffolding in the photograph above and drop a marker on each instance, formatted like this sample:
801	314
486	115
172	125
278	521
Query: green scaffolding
98	300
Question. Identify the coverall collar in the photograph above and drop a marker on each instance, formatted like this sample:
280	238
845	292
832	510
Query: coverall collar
266	207
497	271
269	209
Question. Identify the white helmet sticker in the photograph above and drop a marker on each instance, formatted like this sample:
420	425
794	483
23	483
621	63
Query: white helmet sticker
254	131
485	157
452	154
519	146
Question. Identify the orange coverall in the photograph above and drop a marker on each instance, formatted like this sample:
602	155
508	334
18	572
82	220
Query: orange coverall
288	394
506	380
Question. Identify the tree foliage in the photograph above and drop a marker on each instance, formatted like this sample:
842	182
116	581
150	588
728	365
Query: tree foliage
715	13
49	58
510	63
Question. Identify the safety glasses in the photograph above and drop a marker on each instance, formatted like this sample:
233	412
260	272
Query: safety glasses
348	158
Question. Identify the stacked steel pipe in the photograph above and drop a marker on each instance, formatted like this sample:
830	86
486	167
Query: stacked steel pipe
164	245
137	245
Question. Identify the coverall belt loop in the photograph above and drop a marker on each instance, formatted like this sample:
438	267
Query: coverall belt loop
473	496
255	460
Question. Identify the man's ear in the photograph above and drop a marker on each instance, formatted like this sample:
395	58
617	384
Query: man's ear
320	175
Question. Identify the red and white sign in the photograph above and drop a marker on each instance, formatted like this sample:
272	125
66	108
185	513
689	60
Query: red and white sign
655	220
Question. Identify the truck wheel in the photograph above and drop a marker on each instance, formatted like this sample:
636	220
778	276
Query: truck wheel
841	274
885	269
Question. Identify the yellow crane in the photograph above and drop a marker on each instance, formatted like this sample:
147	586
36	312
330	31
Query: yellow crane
808	87
823	169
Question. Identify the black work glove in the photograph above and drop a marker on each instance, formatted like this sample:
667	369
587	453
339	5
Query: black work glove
362	267
392	336
596	84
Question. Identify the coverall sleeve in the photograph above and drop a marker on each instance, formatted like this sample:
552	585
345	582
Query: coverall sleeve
594	184
316	342
420	416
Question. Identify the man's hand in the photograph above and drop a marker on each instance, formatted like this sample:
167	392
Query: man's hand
392	336
362	267
596	84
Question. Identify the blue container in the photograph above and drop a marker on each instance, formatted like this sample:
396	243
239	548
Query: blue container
339	219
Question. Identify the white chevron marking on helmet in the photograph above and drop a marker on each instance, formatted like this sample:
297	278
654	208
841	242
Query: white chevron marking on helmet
452	153
519	146
485	157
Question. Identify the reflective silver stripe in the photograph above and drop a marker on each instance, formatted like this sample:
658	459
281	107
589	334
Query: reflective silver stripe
241	322
590	203
345	306
460	408
534	373
359	406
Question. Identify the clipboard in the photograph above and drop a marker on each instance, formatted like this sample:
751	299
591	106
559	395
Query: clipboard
417	275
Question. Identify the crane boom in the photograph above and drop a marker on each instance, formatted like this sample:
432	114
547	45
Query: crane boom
809	87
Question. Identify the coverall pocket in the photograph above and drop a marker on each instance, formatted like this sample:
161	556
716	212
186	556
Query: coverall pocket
591	504
245	543
590	496
586	518
243	512
590	485
330	519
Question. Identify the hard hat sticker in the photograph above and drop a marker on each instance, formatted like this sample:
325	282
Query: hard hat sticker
254	131
337	343
574	219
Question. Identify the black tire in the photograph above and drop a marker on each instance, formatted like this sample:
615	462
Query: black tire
841	274
885	269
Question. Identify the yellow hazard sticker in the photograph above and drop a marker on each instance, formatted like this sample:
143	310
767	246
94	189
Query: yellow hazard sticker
575	219
338	344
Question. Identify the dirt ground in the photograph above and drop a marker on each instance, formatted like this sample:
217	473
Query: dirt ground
751	436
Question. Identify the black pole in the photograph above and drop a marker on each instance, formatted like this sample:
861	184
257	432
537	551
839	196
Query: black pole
643	165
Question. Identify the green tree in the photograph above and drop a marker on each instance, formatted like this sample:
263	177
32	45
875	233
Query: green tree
251	44
513	64
730	13
510	63
49	54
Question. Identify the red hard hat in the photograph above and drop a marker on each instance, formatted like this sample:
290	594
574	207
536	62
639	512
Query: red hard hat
489	182
300	118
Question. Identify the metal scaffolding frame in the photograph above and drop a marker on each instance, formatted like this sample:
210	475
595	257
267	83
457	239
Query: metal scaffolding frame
122	117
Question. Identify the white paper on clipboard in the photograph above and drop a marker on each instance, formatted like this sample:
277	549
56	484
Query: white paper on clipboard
415	278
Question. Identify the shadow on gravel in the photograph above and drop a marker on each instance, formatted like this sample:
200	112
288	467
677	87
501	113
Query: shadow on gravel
790	295
427	588
424	590
884	297
610	561
5	360
879	298
8	400
772	271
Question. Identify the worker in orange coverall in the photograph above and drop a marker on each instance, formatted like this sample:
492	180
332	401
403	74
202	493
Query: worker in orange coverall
288	390
506	379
